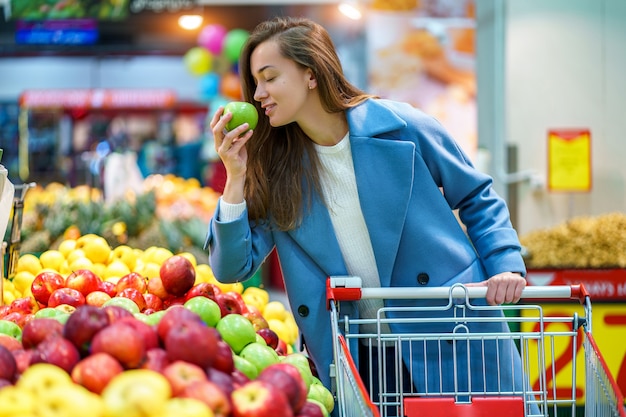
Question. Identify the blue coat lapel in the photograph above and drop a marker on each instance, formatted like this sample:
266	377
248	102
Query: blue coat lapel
381	192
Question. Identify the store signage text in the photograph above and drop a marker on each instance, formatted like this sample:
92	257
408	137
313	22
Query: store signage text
137	6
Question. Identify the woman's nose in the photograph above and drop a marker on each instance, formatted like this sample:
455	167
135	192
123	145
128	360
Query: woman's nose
259	93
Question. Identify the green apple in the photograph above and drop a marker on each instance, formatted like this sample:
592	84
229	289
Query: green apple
123	302
154	318
10	329
243	112
260	355
246	367
53	313
237	331
319	392
325	412
301	361
208	310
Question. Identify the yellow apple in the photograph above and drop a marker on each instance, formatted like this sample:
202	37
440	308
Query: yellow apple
16	402
186	407
136	393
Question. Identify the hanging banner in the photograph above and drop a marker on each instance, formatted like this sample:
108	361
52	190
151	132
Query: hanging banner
569	160
98	98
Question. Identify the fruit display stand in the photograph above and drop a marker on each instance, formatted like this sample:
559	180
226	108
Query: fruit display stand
589	250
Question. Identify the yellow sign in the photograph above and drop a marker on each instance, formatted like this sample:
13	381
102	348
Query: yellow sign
564	376
569	160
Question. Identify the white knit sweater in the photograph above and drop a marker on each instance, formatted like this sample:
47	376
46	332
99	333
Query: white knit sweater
341	197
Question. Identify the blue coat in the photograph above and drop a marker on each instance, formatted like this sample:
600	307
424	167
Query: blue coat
410	175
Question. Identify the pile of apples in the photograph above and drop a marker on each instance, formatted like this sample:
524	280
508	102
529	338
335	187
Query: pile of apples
190	360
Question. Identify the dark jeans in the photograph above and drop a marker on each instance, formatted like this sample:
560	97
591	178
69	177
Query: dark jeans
369	366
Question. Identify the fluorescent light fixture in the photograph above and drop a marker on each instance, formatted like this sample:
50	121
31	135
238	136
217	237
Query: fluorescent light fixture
190	21
351	10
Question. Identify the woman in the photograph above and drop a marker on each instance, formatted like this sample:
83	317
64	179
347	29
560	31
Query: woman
343	183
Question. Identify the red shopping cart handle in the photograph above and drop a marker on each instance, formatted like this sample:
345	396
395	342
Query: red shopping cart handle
349	288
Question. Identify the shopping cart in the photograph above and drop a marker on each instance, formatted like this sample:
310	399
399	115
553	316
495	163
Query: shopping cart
542	342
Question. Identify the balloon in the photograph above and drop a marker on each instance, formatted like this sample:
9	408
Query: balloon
230	86
212	37
198	60
233	43
209	86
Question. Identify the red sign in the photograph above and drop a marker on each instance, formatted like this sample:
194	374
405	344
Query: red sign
601	284
98	99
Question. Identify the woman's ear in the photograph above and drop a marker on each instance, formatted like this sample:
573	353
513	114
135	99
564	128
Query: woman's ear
312	81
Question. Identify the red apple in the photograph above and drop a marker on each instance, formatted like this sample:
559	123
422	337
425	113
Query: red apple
312	409
97	298
122	342
156	360
282	349
4	310
173	317
22	359
172	300
178	275
259	399
147	332
192	342
44	284
153	303
57	351
23	305
270	337
35	331
203	289
155	286
83	280
224	358
108	287
256	318
10	342
211	394
136	296
83	324
222	380
181	374
8	366
67	296
230	302
18	318
239	378
116	312
95	371
286	378
132	280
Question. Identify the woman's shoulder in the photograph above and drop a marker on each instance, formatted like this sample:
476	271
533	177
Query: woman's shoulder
391	115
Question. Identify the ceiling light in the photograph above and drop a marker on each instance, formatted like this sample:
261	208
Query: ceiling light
190	21
351	10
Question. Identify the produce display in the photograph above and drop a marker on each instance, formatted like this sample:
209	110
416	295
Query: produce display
172	212
582	242
91	330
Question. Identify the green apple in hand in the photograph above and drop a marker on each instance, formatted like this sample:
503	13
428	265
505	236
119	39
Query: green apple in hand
243	112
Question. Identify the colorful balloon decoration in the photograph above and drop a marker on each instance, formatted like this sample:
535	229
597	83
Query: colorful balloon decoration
209	86
198	60
230	86
214	60
233	43
212	38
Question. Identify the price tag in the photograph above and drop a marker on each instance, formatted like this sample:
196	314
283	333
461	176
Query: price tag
569	160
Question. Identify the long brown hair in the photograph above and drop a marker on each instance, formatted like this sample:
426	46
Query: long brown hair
282	171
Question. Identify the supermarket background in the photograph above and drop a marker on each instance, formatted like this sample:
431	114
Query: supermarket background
532	89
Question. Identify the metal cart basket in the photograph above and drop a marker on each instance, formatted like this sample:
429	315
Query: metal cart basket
466	386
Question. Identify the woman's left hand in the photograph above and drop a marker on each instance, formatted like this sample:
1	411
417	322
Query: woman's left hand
505	287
